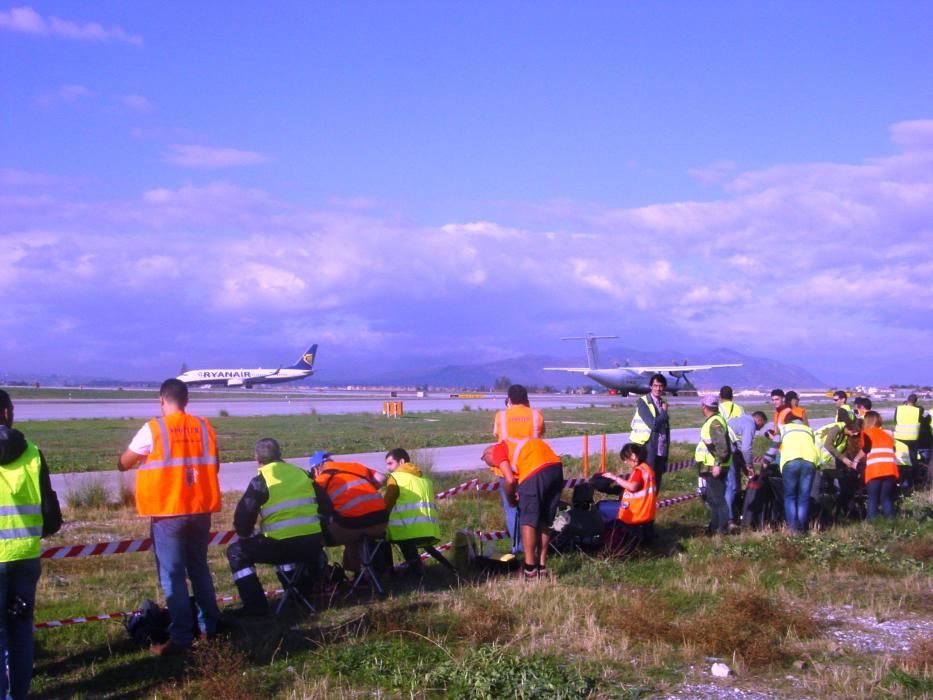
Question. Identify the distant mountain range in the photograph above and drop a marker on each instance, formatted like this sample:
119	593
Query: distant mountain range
755	372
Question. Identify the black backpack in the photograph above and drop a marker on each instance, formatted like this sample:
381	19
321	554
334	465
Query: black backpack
148	625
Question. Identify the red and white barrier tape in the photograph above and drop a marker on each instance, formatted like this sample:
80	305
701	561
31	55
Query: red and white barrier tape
220	538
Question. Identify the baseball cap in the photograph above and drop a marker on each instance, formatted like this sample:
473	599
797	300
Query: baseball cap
318	458
710	401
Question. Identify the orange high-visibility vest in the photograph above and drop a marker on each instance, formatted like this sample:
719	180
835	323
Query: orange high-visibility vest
518	422
351	492
179	476
530	456
641	506
879	461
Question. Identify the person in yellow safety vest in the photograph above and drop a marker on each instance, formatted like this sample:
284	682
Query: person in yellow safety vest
651	426
907	421
283	499
799	457
518	421
413	519
29	510
534	479
177	486
727	407
844	412
713	456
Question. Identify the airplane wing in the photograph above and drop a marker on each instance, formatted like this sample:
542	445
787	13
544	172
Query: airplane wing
680	368
566	369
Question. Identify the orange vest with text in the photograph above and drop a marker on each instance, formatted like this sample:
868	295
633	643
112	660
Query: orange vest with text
530	456
179	476
640	507
879	461
518	422
351	492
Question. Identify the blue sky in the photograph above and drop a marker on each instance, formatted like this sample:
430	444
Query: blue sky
414	183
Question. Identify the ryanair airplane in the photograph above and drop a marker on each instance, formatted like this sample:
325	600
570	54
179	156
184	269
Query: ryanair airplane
248	377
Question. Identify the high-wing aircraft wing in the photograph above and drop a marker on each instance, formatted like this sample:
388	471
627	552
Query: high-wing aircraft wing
566	369
679	368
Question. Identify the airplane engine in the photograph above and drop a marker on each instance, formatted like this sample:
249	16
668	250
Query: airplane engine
235	382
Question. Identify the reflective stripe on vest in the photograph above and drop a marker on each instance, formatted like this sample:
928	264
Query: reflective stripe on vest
179	477
907	423
798	442
819	435
414	515
518	422
640	506
879	461
640	432
291	510
351	495
701	454
531	456
21	506
902	454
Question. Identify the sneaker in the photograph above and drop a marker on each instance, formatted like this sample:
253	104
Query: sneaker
529	574
169	648
543	571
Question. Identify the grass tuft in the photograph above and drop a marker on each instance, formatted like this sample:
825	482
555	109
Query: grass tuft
91	494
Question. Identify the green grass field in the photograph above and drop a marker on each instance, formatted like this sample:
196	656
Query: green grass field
601	628
92	445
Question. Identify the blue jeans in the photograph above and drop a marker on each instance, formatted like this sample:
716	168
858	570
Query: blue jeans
881	489
733	481
797	476
511	519
180	545
18	581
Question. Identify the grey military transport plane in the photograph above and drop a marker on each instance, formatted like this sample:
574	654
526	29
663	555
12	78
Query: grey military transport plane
632	380
248	377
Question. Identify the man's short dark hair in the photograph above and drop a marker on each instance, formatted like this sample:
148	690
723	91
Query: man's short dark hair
840	394
777	392
863	401
912	398
726	393
268	450
518	395
760	414
658	377
399	455
791	396
174	391
6	402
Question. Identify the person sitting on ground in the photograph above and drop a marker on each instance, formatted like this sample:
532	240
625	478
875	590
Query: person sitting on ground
793	401
638	503
409	498
881	473
534	479
353	509
283	498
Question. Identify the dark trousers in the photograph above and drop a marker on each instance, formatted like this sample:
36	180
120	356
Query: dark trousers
882	490
245	553
658	464
716	500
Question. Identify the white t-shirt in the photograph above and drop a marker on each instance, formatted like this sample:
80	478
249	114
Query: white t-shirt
141	443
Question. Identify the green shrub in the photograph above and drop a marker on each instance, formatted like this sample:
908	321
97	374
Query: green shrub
91	493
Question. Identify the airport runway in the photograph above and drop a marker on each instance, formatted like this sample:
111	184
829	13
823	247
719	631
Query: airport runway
78	408
234	476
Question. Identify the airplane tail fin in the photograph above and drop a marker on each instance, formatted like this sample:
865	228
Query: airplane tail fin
592	355
306	361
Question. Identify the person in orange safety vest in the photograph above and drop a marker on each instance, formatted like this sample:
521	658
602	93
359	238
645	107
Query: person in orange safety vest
881	472
177	487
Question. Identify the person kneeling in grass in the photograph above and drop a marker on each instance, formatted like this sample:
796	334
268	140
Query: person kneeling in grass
639	501
533	479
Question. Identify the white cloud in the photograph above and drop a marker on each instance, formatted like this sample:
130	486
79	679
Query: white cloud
66	94
913	134
137	103
206	157
25	20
